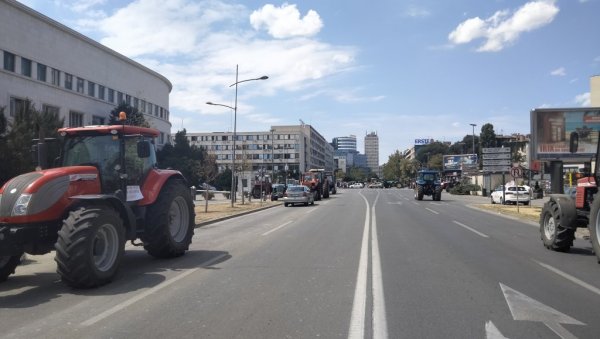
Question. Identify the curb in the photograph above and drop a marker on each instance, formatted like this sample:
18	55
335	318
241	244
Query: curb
213	221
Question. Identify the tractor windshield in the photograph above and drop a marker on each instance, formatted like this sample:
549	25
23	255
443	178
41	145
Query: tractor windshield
102	151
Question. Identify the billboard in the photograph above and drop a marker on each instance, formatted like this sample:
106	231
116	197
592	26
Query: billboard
424	141
456	162
552	128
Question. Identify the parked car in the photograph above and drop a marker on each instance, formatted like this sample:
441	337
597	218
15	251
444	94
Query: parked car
277	191
298	194
512	194
376	185
356	185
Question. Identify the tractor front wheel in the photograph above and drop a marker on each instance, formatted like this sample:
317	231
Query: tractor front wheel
554	234
8	264
170	222
90	245
420	193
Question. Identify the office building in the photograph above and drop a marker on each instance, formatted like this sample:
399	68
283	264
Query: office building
60	70
372	152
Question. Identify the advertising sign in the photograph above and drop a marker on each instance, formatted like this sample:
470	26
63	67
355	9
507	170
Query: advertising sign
456	162
423	141
552	129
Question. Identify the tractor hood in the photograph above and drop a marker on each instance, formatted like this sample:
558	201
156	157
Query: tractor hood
35	192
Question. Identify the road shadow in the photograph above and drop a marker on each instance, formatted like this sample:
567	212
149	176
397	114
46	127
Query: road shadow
138	271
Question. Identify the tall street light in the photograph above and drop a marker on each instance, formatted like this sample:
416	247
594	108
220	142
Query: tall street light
234	108
272	156
473	138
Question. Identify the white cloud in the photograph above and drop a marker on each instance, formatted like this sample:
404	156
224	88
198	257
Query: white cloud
285	22
583	100
502	29
416	12
559	72
197	45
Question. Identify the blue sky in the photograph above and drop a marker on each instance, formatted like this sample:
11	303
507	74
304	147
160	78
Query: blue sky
403	69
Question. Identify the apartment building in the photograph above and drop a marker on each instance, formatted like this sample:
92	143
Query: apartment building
283	151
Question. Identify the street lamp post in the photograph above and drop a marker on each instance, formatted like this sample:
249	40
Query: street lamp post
473	138
272	157
234	108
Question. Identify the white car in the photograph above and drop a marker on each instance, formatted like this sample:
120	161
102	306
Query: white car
512	194
356	185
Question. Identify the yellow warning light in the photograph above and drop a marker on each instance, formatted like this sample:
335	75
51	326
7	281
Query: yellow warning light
122	116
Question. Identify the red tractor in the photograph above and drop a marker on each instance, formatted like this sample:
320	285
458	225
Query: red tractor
562	215
106	190
317	181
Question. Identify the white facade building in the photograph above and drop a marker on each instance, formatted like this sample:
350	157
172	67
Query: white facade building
60	70
283	151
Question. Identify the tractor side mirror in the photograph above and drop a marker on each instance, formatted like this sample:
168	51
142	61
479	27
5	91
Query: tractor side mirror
143	149
573	142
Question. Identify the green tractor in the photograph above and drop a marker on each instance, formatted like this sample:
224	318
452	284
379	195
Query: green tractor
428	183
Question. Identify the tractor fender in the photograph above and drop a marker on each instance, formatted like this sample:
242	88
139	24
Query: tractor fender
124	211
566	209
154	182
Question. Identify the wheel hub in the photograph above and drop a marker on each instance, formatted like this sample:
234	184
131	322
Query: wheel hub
549	227
105	247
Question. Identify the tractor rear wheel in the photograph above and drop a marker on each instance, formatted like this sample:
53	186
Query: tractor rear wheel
594	226
8	264
170	222
437	194
555	236
90	245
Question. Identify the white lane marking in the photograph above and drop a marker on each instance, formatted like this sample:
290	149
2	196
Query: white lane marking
416	203
278	227
432	211
380	329
357	320
492	332
146	293
470	229
437	203
525	308
570	278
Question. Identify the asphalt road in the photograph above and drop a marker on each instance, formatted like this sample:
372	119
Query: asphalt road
364	263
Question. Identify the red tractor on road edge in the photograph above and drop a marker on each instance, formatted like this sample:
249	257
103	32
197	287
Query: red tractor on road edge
562	215
106	190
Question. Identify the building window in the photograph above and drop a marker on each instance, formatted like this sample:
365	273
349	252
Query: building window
96	120
119	98
143	107
9	61
50	109
55	77
149	108
26	67
111	95
17	106
41	72
75	119
161	112
162	138
68	81
101	91
80	85
128	99
156	110
136	102
91	89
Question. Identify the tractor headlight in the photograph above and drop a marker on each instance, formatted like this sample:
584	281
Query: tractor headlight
20	207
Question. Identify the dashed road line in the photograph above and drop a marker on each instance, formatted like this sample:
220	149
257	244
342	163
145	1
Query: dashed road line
278	227
432	211
470	229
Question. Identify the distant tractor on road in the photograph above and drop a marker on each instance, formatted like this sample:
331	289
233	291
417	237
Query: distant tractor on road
317	181
428	183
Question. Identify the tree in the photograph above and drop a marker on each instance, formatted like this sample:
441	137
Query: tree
430	155
134	117
28	124
488	136
392	169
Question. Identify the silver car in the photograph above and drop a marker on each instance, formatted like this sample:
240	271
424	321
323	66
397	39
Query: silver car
298	194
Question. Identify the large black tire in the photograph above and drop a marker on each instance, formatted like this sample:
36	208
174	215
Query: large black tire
594	226
170	222
437	195
554	234
420	193
8	264
90	246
